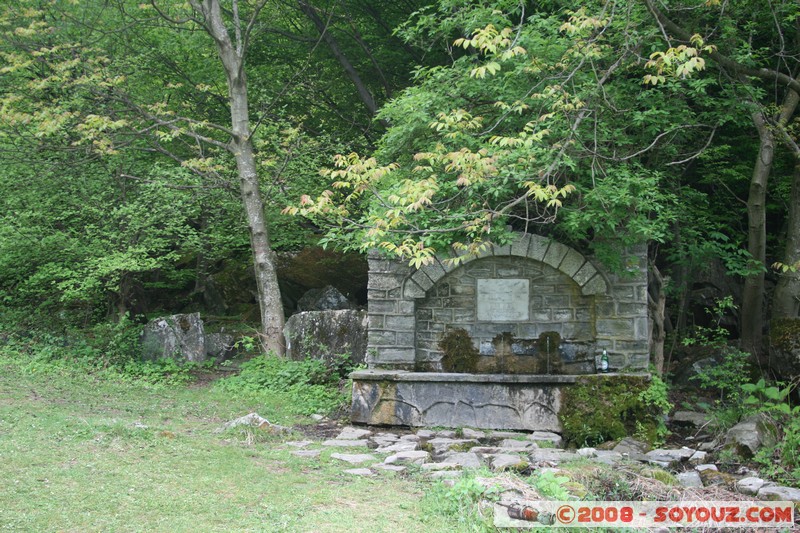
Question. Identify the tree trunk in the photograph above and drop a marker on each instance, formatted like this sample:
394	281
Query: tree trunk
657	302
241	145
752	312
786	302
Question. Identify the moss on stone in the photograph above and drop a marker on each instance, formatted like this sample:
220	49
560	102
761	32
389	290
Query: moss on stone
601	408
784	333
460	355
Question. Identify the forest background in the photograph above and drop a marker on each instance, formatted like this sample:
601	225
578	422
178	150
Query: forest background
150	151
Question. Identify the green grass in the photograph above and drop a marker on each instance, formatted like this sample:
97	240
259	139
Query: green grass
83	453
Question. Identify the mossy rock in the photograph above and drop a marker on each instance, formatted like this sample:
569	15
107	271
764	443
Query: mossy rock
598	409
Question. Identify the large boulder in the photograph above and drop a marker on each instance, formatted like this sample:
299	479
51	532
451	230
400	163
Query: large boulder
750	435
183	337
326	299
325	334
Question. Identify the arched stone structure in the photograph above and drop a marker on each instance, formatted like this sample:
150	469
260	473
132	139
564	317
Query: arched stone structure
619	319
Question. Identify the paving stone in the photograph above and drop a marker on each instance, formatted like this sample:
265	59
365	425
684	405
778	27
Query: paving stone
521	445
299	443
486	449
504	461
351	433
306	453
547	436
353	458
426	434
690	479
469	433
750	485
360	472
465	459
414	457
342	443
441	445
390	468
402	446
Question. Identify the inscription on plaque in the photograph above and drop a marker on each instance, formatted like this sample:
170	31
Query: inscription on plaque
503	300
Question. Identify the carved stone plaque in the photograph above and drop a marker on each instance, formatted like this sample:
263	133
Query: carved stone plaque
503	300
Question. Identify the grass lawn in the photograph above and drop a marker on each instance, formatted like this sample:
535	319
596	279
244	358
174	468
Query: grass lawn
80	453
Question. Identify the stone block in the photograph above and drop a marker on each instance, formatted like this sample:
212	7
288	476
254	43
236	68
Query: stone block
614	327
382	306
400	322
412	290
571	263
596	285
422	279
519	247
538	247
555	254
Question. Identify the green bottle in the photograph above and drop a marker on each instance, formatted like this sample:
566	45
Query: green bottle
604	362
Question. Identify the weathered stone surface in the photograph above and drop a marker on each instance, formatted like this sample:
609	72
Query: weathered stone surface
669	458
698	457
553	455
690	479
691	418
464	459
326	299
712	478
389	468
750	485
587	452
326	334
547	436
351	433
220	345
353	458
777	493
521	445
709	466
439	399
360	472
749	436
440	445
413	457
177	337
506	461
469	433
629	445
341	443
402	446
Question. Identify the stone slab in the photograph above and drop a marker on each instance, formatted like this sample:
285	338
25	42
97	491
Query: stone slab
503	300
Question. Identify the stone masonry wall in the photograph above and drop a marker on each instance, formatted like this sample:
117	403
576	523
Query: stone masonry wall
410	309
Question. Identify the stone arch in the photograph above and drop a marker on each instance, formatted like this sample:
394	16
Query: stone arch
559	256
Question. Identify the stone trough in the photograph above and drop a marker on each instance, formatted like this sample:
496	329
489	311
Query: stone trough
491	341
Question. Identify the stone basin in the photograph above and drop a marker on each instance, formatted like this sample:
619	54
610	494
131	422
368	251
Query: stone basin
528	402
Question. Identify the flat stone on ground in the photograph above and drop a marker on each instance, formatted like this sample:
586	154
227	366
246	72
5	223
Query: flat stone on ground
469	433
402	446
504	461
690	479
353	458
390	468
521	445
299	443
351	433
413	457
779	494
507	435
360	472
547	436
750	485
465	459
346	443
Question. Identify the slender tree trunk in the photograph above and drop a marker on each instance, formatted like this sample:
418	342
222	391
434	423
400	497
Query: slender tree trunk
752	312
657	301
232	57
786	302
